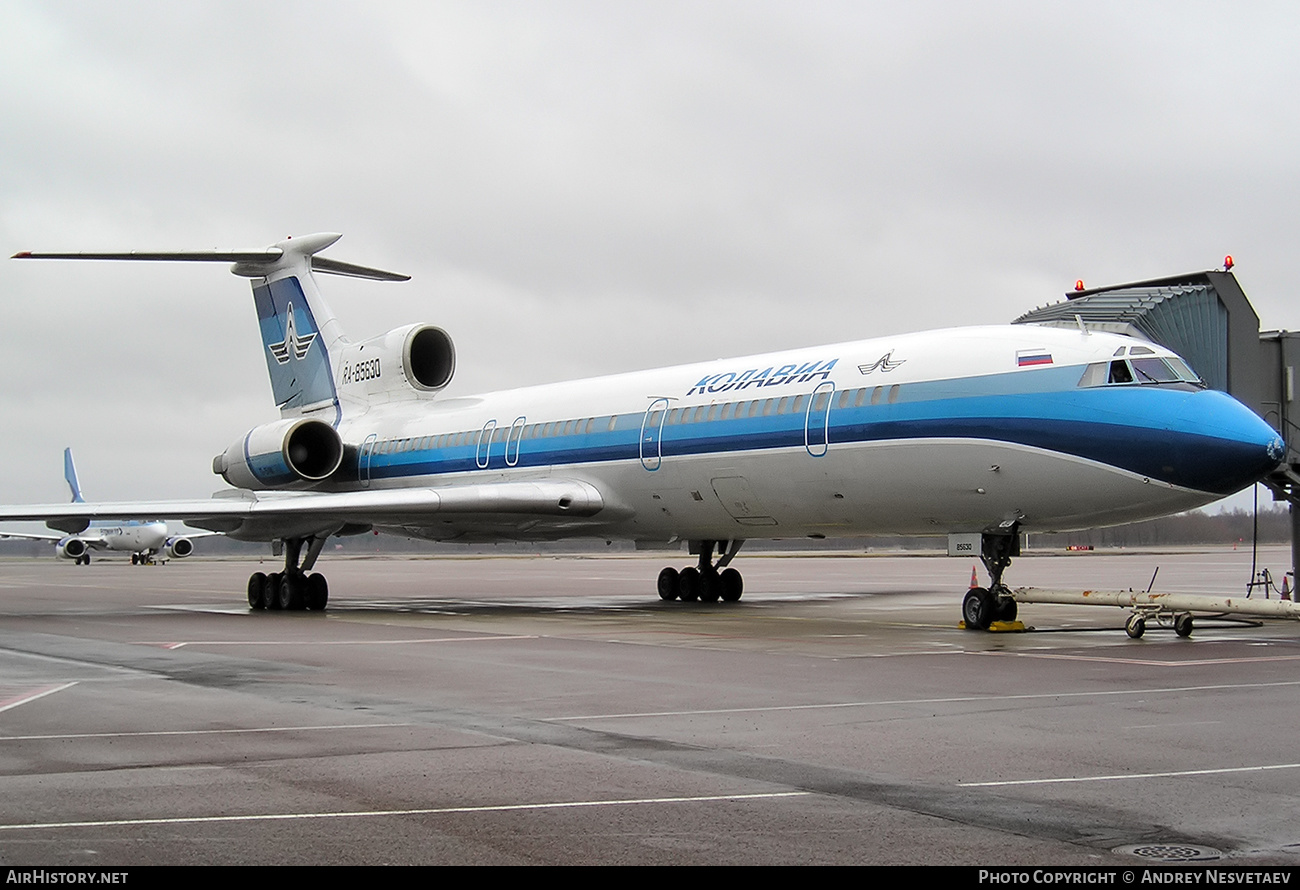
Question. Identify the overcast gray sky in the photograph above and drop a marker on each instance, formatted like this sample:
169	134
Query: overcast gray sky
583	188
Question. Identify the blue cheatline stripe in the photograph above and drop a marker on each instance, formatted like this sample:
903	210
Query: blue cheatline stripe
269	469
1186	438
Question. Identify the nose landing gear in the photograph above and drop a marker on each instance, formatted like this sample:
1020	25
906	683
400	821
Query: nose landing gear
982	606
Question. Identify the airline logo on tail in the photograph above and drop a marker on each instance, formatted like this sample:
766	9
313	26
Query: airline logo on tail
301	377
291	342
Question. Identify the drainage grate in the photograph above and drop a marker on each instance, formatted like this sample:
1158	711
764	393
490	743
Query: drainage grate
1171	852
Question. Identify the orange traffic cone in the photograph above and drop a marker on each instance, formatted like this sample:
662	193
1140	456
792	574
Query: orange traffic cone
974	579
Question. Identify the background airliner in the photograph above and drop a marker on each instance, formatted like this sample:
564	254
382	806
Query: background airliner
143	539
978	432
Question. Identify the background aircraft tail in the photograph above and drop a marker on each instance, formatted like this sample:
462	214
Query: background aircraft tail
70	474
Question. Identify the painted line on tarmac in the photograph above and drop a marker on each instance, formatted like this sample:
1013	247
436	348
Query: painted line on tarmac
957	699
193	732
1128	776
1200	662
314	643
6	704
424	811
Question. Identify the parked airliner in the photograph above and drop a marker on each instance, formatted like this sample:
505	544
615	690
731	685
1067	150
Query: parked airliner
983	431
143	539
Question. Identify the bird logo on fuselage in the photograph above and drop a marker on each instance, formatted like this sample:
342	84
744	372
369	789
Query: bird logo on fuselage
291	343
885	364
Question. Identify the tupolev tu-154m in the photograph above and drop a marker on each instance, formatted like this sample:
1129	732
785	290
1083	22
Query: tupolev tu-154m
978	433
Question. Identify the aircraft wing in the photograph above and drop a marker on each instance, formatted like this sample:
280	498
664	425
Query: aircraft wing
21	536
266	516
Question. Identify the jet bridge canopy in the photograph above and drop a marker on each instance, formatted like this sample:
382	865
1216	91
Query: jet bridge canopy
1203	316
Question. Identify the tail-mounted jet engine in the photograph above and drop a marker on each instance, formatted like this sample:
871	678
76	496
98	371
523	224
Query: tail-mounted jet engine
290	453
405	362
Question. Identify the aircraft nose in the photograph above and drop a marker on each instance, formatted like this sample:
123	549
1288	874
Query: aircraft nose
1223	445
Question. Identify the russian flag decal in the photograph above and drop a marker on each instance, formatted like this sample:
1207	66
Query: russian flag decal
1027	358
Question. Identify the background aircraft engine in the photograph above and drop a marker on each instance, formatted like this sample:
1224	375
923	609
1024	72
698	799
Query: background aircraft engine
178	547
285	454
70	548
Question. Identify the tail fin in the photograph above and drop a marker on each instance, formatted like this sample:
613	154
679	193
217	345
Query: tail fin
70	474
300	334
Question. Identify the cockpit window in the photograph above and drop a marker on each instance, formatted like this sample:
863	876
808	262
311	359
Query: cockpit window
1118	371
1184	372
1153	370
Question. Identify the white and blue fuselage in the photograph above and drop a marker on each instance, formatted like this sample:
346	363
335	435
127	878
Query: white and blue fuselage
928	433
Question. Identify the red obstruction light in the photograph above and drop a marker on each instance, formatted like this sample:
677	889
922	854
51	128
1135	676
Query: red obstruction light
1078	285
1227	263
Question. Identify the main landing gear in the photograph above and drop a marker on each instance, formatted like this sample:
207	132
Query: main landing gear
705	582
982	606
292	589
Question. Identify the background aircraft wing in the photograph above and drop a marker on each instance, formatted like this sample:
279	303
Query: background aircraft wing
267	516
20	536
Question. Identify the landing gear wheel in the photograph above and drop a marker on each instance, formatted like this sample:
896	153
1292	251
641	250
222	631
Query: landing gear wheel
977	609
1136	626
688	584
731	584
135	559
1006	609
667	584
256	582
1183	625
271	592
318	592
710	586
291	591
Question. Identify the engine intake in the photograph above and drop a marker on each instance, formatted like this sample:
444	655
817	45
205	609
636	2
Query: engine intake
407	362
178	547
428	358
286	454
70	548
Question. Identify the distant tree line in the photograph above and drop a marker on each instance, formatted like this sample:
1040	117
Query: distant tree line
1196	527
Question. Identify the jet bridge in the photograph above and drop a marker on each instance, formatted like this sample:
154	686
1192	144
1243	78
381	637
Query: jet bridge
1206	318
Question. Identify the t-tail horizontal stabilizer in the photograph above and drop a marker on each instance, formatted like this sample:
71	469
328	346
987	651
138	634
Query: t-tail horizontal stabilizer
300	335
248	263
